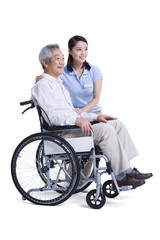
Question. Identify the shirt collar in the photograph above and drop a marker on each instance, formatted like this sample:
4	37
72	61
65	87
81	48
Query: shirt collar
73	73
51	79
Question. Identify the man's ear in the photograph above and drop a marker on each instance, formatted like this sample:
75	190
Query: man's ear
45	64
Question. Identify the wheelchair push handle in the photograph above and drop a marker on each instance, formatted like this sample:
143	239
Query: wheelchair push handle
26	103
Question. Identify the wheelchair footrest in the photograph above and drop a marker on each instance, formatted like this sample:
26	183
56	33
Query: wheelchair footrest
125	188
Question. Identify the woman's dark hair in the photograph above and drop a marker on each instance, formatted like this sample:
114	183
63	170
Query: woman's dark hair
71	43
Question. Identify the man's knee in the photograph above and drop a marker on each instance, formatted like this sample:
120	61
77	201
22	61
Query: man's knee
104	129
116	124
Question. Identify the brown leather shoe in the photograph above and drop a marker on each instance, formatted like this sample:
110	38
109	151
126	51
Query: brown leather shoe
137	175
130	181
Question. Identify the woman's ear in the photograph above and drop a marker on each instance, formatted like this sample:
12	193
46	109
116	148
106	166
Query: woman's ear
69	51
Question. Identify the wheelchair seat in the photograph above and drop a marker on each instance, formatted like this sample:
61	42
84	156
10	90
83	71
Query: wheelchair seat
79	144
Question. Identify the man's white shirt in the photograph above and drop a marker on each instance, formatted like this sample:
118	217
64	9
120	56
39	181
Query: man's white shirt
50	94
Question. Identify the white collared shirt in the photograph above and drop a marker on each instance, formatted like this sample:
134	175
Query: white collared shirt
50	94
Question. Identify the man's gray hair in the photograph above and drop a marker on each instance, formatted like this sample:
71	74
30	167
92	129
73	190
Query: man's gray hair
46	53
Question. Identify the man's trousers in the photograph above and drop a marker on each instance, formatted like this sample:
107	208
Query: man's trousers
115	142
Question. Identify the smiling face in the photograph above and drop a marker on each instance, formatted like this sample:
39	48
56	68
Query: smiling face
55	67
79	52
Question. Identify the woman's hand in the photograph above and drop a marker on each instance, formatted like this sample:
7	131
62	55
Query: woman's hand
79	110
105	118
38	78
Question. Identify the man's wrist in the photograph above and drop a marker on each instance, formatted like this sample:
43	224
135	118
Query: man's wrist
77	121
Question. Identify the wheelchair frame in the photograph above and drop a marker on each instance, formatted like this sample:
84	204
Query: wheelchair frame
95	198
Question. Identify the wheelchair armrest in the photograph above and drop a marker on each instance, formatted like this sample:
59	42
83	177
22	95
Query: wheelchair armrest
61	128
65	128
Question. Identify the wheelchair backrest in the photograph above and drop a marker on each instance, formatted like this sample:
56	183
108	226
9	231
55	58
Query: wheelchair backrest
43	118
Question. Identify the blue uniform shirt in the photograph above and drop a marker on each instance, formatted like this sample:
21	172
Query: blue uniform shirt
81	90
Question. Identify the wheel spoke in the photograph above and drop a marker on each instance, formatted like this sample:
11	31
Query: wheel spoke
41	178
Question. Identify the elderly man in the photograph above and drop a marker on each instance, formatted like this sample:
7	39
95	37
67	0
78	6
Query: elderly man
110	134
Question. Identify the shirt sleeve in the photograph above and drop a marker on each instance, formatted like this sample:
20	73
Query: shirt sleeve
97	75
89	116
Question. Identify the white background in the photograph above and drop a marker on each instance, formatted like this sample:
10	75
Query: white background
124	41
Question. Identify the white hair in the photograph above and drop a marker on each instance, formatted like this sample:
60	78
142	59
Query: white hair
46	53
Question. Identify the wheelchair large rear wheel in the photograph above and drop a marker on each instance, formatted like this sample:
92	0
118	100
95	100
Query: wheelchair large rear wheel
45	169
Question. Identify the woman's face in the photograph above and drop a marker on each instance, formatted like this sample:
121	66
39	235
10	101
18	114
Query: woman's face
79	52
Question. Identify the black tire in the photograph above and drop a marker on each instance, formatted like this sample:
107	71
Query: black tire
90	198
52	181
109	189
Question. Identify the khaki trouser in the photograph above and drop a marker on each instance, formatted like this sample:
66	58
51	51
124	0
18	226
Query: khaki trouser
115	142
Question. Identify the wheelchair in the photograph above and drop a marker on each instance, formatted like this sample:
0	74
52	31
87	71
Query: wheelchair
47	168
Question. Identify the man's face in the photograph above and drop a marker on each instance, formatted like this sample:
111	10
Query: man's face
55	68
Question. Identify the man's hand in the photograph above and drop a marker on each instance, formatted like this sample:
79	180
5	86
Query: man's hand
104	118
85	125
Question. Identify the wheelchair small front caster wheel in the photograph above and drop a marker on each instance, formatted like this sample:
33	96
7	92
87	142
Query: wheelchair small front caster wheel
96	204
109	189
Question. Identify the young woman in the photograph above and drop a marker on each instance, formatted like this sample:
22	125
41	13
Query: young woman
83	80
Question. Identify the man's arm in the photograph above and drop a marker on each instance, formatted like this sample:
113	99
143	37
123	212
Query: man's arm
49	101
86	126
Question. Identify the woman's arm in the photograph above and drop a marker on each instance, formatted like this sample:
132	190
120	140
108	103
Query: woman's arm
95	100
